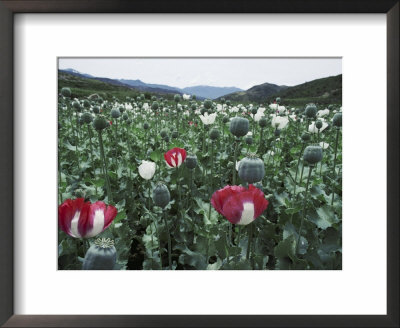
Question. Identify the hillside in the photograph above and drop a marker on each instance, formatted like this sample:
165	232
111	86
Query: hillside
210	92
83	87
321	91
257	93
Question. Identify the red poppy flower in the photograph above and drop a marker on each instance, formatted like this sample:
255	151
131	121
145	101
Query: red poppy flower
239	204
175	157
85	220
110	122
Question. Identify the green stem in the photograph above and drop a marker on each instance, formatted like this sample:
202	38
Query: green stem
159	244
297	169
249	240
304	208
91	154
210	193
334	163
261	138
106	178
234	162
169	242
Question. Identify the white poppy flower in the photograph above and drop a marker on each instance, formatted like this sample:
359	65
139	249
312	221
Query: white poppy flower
258	116
279	122
324	145
208	119
234	109
323	112
273	106
147	169
312	128
185	97
145	106
281	109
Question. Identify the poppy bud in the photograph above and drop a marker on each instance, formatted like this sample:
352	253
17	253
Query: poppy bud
239	126
154	105
312	154
318	124
207	104
86	117
177	98
86	103
145	125
100	123
77	106
174	134
115	113
263	122
248	140
96	109
66	92
305	137
163	133
277	132
225	119
311	111
125	117
191	161
337	120
161	195
254	111
214	134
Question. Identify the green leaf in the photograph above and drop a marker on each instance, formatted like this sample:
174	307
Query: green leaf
324	217
155	155
286	248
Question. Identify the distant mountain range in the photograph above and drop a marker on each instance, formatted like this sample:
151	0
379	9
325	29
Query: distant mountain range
324	91
200	91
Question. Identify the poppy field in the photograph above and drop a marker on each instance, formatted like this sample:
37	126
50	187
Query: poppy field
171	182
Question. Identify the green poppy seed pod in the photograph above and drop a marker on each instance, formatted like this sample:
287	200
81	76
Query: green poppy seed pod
153	98
142	97
278	100
225	119
102	255
115	113
191	161
312	154
166	138
214	134
202	111
239	126
154	105
145	125
76	105
66	92
177	98
100	100
330	107
100	123
129	121
311	111
277	133
121	109
161	195
174	134
254	111
305	137
87	117
318	124
193	107
207	104
263	122
337	120
125	117
297	111
96	109
163	133
248	140
86	103
251	169
228	102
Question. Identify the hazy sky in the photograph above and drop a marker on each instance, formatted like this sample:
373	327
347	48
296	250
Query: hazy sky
185	72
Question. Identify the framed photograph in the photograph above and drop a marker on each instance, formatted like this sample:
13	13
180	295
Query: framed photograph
165	162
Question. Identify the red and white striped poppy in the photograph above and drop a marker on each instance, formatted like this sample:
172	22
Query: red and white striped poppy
175	157
81	219
239	204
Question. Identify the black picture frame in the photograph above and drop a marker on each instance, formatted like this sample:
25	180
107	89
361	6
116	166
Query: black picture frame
8	200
